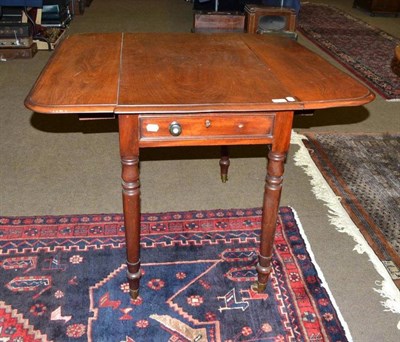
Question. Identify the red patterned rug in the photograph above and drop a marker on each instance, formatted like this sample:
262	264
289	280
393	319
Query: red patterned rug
63	278
364	50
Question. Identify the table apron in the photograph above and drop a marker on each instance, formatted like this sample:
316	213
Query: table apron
205	129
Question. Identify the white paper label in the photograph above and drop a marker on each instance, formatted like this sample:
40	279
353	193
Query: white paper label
152	128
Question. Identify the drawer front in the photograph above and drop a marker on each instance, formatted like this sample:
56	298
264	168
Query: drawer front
209	128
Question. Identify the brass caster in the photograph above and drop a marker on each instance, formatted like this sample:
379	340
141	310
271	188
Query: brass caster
259	287
224	178
134	293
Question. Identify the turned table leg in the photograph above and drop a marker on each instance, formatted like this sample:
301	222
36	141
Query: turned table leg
129	152
272	194
224	163
273	186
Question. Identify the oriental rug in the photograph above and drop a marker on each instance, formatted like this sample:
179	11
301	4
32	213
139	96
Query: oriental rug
64	279
364	50
364	171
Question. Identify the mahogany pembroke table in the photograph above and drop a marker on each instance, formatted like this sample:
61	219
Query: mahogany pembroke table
185	89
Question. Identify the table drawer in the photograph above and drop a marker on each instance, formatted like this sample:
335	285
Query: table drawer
202	126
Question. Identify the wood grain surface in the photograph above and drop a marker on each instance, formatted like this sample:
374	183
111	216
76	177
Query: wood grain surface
185	72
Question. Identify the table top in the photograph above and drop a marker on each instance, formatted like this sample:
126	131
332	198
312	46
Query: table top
189	73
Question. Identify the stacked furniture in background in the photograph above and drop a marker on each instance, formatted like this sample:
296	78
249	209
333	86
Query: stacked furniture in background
16	33
50	22
271	20
264	17
56	13
77	7
379	6
30	25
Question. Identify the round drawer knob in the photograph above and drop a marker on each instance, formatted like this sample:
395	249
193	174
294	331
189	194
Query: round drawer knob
175	129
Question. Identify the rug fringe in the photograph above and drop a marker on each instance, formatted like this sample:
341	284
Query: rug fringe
321	275
339	217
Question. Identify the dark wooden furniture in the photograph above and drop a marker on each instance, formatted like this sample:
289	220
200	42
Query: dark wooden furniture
209	22
188	89
395	65
379	6
255	12
22	52
77	7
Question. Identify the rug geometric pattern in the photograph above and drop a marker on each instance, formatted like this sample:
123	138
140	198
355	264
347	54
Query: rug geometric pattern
64	279
364	172
364	50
